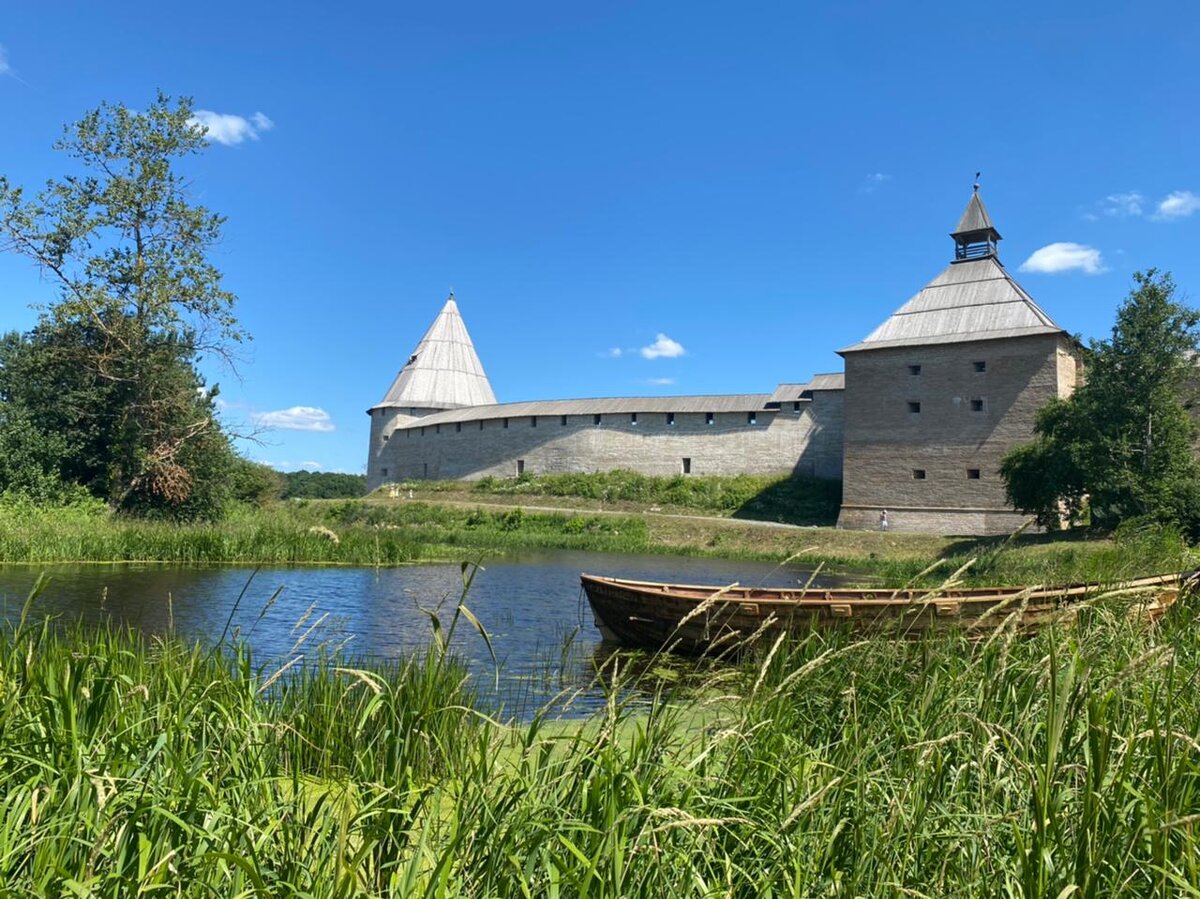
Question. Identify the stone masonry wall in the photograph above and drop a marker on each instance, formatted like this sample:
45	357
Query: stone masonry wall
804	441
967	421
384	421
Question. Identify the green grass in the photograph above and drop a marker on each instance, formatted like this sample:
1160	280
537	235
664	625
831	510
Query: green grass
1067	764
793	500
1050	559
343	532
354	532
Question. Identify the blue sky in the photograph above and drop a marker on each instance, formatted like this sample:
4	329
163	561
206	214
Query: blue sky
760	183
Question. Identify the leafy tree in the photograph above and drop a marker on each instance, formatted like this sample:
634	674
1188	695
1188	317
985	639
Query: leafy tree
323	485
30	459
112	362
255	484
1124	441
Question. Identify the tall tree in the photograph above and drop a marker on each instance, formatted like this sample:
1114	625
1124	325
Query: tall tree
1125	440
139	303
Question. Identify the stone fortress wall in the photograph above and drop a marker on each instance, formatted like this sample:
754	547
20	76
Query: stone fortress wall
929	404
798	438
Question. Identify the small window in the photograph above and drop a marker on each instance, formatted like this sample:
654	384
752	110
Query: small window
633	418
914	369
687	465
425	469
751	418
972	474
458	427
386	437
670	418
506	422
412	412
977	405
563	421
533	421
439	429
914	406
422	432
520	467
979	366
407	434
596	419
481	424
383	472
796	406
709	418
918	474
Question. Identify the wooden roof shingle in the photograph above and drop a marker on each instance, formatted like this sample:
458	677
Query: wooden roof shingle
971	300
443	371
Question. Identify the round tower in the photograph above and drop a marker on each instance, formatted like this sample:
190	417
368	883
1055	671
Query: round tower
442	372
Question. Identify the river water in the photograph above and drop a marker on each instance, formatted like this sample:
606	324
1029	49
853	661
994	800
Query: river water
531	606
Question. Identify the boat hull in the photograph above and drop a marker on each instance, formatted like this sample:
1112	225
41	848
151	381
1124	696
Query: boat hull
698	619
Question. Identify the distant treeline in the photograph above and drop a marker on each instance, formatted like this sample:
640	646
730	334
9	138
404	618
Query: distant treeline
323	485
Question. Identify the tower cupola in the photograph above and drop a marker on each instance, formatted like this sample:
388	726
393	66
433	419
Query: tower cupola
975	237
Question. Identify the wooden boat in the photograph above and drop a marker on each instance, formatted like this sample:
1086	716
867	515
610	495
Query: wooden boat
696	619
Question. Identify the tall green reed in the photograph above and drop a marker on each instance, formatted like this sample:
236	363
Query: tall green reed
1062	764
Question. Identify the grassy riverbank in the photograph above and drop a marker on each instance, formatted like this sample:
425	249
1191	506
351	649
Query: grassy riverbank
392	532
810	502
1066	764
346	532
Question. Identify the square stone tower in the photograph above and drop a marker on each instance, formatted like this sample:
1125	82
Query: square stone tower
942	390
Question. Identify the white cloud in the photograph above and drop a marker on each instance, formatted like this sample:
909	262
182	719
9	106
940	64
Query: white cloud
615	353
872	181
1178	204
660	382
1130	203
286	465
662	348
1064	257
307	465
5	68
297	418
228	129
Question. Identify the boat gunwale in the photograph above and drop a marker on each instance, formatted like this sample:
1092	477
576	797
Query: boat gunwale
808	596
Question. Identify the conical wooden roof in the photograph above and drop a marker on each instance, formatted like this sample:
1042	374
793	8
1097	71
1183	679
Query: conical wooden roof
443	371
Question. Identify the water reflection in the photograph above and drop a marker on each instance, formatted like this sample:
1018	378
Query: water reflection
531	606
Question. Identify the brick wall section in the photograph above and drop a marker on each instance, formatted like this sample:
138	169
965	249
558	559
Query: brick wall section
805	441
885	442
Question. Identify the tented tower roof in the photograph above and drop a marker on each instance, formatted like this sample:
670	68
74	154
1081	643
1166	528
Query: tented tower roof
975	218
443	371
975	298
